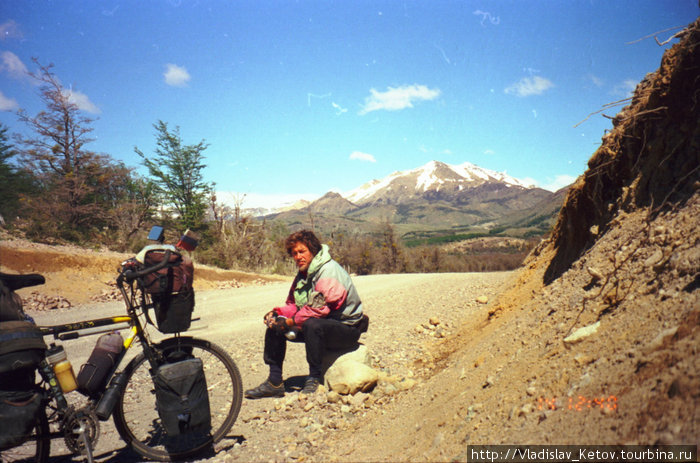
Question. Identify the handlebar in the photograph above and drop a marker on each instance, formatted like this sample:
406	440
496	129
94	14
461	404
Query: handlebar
130	275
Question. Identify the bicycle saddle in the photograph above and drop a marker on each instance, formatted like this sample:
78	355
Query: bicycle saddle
15	282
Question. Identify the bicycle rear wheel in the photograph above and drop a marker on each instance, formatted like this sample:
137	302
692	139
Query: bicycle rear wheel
37	446
137	419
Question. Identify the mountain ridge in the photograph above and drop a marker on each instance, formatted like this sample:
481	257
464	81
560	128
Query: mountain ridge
432	197
425	177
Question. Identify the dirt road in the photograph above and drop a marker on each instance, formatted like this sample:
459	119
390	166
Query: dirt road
400	308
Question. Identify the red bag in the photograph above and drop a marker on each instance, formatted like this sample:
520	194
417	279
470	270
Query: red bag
174	278
170	289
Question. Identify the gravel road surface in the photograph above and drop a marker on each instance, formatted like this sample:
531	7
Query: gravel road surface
400	308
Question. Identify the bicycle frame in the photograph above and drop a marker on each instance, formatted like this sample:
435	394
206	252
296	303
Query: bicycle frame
74	330
137	331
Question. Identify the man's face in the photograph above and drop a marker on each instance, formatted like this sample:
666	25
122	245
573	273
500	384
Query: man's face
302	256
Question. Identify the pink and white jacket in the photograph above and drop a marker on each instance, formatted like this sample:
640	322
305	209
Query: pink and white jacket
324	291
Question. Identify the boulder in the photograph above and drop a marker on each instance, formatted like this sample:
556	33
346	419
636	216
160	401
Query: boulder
582	333
350	372
358	353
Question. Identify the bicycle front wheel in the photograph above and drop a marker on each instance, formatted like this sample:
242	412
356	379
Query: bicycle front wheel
137	419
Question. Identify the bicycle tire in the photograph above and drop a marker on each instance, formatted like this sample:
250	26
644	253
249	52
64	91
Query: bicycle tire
136	417
36	448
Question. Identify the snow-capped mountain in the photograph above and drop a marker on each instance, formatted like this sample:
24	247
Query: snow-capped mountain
436	196
435	180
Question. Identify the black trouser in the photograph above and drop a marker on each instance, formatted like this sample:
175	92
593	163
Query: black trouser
319	335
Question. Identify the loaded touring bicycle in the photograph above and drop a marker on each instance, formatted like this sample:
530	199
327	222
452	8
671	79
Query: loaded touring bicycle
174	399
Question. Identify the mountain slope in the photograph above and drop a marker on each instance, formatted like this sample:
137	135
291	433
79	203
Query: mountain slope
434	180
436	196
331	203
542	215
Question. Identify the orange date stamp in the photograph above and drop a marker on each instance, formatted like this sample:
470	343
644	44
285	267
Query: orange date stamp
577	404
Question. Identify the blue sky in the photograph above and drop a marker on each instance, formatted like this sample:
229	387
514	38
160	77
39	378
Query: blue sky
297	98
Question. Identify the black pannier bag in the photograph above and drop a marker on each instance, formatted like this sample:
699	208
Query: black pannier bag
173	311
19	412
92	377
170	290
22	348
181	397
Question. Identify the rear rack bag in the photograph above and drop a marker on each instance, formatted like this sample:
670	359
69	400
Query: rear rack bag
171	291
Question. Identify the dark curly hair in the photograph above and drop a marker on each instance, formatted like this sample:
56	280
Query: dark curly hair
306	237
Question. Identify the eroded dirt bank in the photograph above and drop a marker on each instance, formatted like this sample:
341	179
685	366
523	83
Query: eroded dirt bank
76	276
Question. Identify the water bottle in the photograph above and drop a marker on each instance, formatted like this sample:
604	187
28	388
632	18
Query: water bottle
58	359
109	399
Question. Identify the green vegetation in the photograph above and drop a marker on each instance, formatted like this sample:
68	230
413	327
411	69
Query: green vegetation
176	170
14	182
443	239
382	252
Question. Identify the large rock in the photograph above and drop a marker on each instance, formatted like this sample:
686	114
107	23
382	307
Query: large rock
349	371
358	353
581	334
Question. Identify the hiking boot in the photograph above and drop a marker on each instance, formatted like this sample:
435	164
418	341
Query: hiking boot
266	389
310	385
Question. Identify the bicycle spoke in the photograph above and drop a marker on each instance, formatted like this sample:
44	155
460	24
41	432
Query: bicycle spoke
137	418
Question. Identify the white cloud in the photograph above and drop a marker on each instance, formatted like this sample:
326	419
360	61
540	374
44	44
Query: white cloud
489	152
528	86
559	181
82	101
360	156
529	181
313	95
338	109
495	20
625	88
7	104
597	81
12	65
398	98
176	76
262	200
10	30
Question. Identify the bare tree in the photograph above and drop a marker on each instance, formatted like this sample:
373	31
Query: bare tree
56	154
136	205
81	194
391	254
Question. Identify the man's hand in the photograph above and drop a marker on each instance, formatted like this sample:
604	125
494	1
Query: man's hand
279	324
269	317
